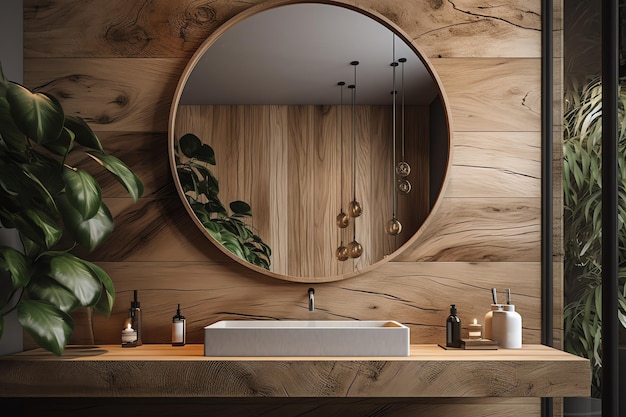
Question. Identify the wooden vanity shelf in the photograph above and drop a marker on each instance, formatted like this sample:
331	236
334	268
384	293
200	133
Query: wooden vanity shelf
166	371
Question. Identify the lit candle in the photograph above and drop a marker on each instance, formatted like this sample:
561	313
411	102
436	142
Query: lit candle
129	336
475	330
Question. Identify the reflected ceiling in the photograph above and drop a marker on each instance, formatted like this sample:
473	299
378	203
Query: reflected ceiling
303	59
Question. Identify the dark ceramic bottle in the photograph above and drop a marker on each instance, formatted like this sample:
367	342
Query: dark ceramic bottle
453	329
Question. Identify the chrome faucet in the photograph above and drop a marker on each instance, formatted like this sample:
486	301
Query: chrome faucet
311	299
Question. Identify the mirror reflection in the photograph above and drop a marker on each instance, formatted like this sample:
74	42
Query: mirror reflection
309	140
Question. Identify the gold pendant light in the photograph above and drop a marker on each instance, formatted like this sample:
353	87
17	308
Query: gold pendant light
403	169
393	226
343	220
354	208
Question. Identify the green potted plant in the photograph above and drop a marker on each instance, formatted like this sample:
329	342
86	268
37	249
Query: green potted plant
55	207
582	223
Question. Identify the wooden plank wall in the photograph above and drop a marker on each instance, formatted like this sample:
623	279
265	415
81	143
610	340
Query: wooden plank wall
116	63
295	198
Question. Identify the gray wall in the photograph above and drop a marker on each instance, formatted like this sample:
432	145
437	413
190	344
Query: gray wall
12	60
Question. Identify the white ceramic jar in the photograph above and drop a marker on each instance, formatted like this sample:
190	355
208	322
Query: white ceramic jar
506	327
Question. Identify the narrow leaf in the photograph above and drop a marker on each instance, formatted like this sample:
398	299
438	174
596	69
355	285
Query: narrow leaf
83	133
121	172
107	297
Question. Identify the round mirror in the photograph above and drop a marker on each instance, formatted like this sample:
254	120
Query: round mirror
309	141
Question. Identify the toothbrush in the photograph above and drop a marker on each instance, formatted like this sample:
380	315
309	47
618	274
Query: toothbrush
508	296
494	295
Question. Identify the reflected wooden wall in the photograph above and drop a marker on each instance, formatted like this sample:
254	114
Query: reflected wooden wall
116	63
286	162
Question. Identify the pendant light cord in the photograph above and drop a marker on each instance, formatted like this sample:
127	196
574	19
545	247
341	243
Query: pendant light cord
354	136
402	60
341	84
394	64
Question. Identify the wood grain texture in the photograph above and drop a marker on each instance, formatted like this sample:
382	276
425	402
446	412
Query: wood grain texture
277	407
417	294
505	94
167	371
296	197
121	94
480	169
468	28
120	71
500	230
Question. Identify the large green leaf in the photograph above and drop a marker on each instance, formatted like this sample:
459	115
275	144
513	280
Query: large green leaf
46	173
48	229
241	208
192	147
189	144
47	289
88	232
4	83
205	154
39	115
14	138
121	172
62	145
83	133
107	298
50	327
83	192
73	274
16	264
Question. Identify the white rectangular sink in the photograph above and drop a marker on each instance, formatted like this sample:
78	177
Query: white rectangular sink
306	338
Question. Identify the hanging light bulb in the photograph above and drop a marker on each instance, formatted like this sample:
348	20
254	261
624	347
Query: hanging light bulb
342	253
343	220
393	226
404	186
355	249
354	208
403	169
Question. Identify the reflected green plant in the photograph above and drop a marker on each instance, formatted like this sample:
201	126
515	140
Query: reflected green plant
201	190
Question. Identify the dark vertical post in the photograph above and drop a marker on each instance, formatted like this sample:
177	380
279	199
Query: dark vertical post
610	73
547	295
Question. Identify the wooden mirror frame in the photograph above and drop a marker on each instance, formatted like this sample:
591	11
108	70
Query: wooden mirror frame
172	139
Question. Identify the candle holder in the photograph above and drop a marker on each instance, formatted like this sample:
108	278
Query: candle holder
475	331
129	335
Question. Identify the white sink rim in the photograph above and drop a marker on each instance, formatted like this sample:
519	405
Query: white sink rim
262	338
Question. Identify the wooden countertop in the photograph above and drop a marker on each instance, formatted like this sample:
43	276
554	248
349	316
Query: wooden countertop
166	371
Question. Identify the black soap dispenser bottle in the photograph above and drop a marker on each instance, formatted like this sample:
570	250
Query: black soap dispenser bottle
453	329
135	317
